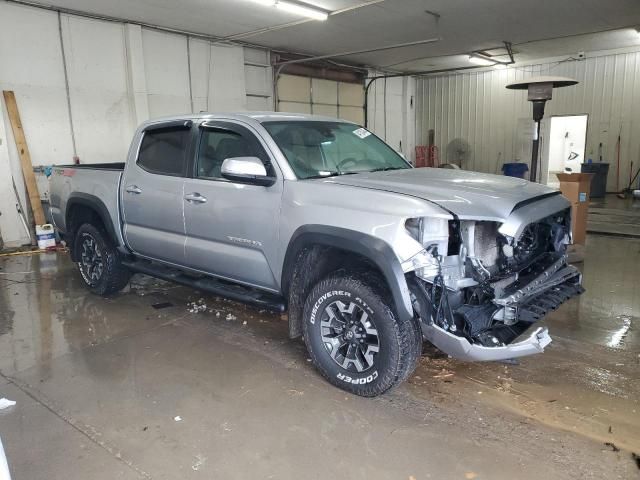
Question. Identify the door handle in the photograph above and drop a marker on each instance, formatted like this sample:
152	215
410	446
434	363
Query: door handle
133	189
195	197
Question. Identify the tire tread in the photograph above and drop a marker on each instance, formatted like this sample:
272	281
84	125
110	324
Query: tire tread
115	275
407	332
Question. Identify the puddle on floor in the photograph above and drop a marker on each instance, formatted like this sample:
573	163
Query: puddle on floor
587	382
597	402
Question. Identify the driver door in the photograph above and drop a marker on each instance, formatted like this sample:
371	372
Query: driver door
231	228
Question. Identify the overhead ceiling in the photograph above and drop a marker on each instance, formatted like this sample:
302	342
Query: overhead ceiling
537	29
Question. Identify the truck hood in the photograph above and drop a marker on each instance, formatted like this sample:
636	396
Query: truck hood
469	195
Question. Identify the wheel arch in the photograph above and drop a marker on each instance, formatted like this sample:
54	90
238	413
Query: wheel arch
86	208
307	252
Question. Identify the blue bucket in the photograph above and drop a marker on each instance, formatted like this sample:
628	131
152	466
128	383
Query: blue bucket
515	169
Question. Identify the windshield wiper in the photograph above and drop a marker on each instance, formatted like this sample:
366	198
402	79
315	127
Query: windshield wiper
384	169
331	174
325	175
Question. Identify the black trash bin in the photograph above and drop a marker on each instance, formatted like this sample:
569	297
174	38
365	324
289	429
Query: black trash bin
599	181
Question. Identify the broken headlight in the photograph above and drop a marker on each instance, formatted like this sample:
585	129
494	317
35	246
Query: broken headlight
430	232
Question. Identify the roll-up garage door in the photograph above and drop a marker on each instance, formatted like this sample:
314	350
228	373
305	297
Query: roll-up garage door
299	94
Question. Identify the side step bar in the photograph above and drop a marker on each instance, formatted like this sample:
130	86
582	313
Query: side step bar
222	288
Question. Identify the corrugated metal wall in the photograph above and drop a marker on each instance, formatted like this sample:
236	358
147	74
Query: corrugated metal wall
476	109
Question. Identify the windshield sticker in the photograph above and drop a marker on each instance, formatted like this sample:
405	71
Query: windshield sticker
361	133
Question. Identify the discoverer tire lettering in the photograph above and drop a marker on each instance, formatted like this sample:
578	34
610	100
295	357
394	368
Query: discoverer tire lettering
323	298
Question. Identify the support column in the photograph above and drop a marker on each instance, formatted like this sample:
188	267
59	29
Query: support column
136	77
409	118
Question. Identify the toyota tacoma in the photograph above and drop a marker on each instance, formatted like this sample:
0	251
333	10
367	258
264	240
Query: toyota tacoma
320	218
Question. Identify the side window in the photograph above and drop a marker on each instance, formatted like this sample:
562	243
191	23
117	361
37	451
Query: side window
163	151
218	144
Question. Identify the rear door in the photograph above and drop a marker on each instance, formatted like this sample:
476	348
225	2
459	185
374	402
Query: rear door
152	192
231	227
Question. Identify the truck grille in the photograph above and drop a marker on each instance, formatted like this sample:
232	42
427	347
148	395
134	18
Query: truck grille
549	300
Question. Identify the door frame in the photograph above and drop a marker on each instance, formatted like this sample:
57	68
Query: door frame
546	144
132	165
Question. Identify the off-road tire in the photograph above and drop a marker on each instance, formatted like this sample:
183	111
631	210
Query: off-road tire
114	276
400	342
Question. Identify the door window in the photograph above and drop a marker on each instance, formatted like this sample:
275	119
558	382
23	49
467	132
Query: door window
163	151
218	144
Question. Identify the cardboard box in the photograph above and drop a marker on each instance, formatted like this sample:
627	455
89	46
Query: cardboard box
577	188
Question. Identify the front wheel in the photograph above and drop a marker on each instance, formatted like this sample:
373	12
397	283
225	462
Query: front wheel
98	261
354	337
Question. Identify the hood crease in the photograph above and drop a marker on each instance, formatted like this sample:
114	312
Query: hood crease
464	194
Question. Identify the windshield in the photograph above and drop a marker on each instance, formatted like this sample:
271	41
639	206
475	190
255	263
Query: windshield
324	149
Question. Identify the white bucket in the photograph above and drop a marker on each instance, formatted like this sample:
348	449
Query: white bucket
46	236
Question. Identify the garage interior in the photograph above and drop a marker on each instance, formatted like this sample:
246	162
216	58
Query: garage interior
162	381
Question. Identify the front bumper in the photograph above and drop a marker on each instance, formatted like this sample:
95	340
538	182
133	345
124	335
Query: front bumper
531	299
462	349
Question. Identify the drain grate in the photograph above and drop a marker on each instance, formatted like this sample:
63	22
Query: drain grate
161	305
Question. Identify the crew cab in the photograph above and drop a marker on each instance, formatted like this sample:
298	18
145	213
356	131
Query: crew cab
320	218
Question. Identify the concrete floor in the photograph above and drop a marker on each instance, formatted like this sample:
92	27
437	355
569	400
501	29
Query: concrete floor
100	383
615	216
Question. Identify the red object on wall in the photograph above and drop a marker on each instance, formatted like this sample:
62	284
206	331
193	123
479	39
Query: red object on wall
426	156
421	155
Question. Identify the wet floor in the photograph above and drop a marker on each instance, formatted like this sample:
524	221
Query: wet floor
146	385
613	215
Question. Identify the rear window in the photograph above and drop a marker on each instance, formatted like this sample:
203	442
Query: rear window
164	151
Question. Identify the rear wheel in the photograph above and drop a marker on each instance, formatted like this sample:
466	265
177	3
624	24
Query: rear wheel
98	261
354	337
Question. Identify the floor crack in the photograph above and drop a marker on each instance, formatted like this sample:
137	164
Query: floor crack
89	432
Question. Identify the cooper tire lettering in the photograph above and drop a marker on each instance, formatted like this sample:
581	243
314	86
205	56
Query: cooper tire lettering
358	381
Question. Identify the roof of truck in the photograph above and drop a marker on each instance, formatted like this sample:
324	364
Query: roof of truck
256	116
280	116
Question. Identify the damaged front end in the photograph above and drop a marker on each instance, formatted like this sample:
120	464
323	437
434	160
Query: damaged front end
476	289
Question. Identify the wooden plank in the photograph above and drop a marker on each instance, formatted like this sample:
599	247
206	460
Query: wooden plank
25	157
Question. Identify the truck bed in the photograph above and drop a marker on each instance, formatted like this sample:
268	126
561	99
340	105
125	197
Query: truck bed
95	166
85	183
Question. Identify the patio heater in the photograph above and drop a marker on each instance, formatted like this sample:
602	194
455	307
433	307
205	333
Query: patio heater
540	89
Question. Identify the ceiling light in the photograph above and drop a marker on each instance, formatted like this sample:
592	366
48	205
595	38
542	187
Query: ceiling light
500	66
298	9
485	62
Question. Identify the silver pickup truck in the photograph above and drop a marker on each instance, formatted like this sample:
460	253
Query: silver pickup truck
320	218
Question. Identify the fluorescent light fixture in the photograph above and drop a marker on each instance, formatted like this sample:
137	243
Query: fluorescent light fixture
500	66
481	61
298	9
295	8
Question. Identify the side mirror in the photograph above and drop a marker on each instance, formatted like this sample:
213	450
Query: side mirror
248	170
